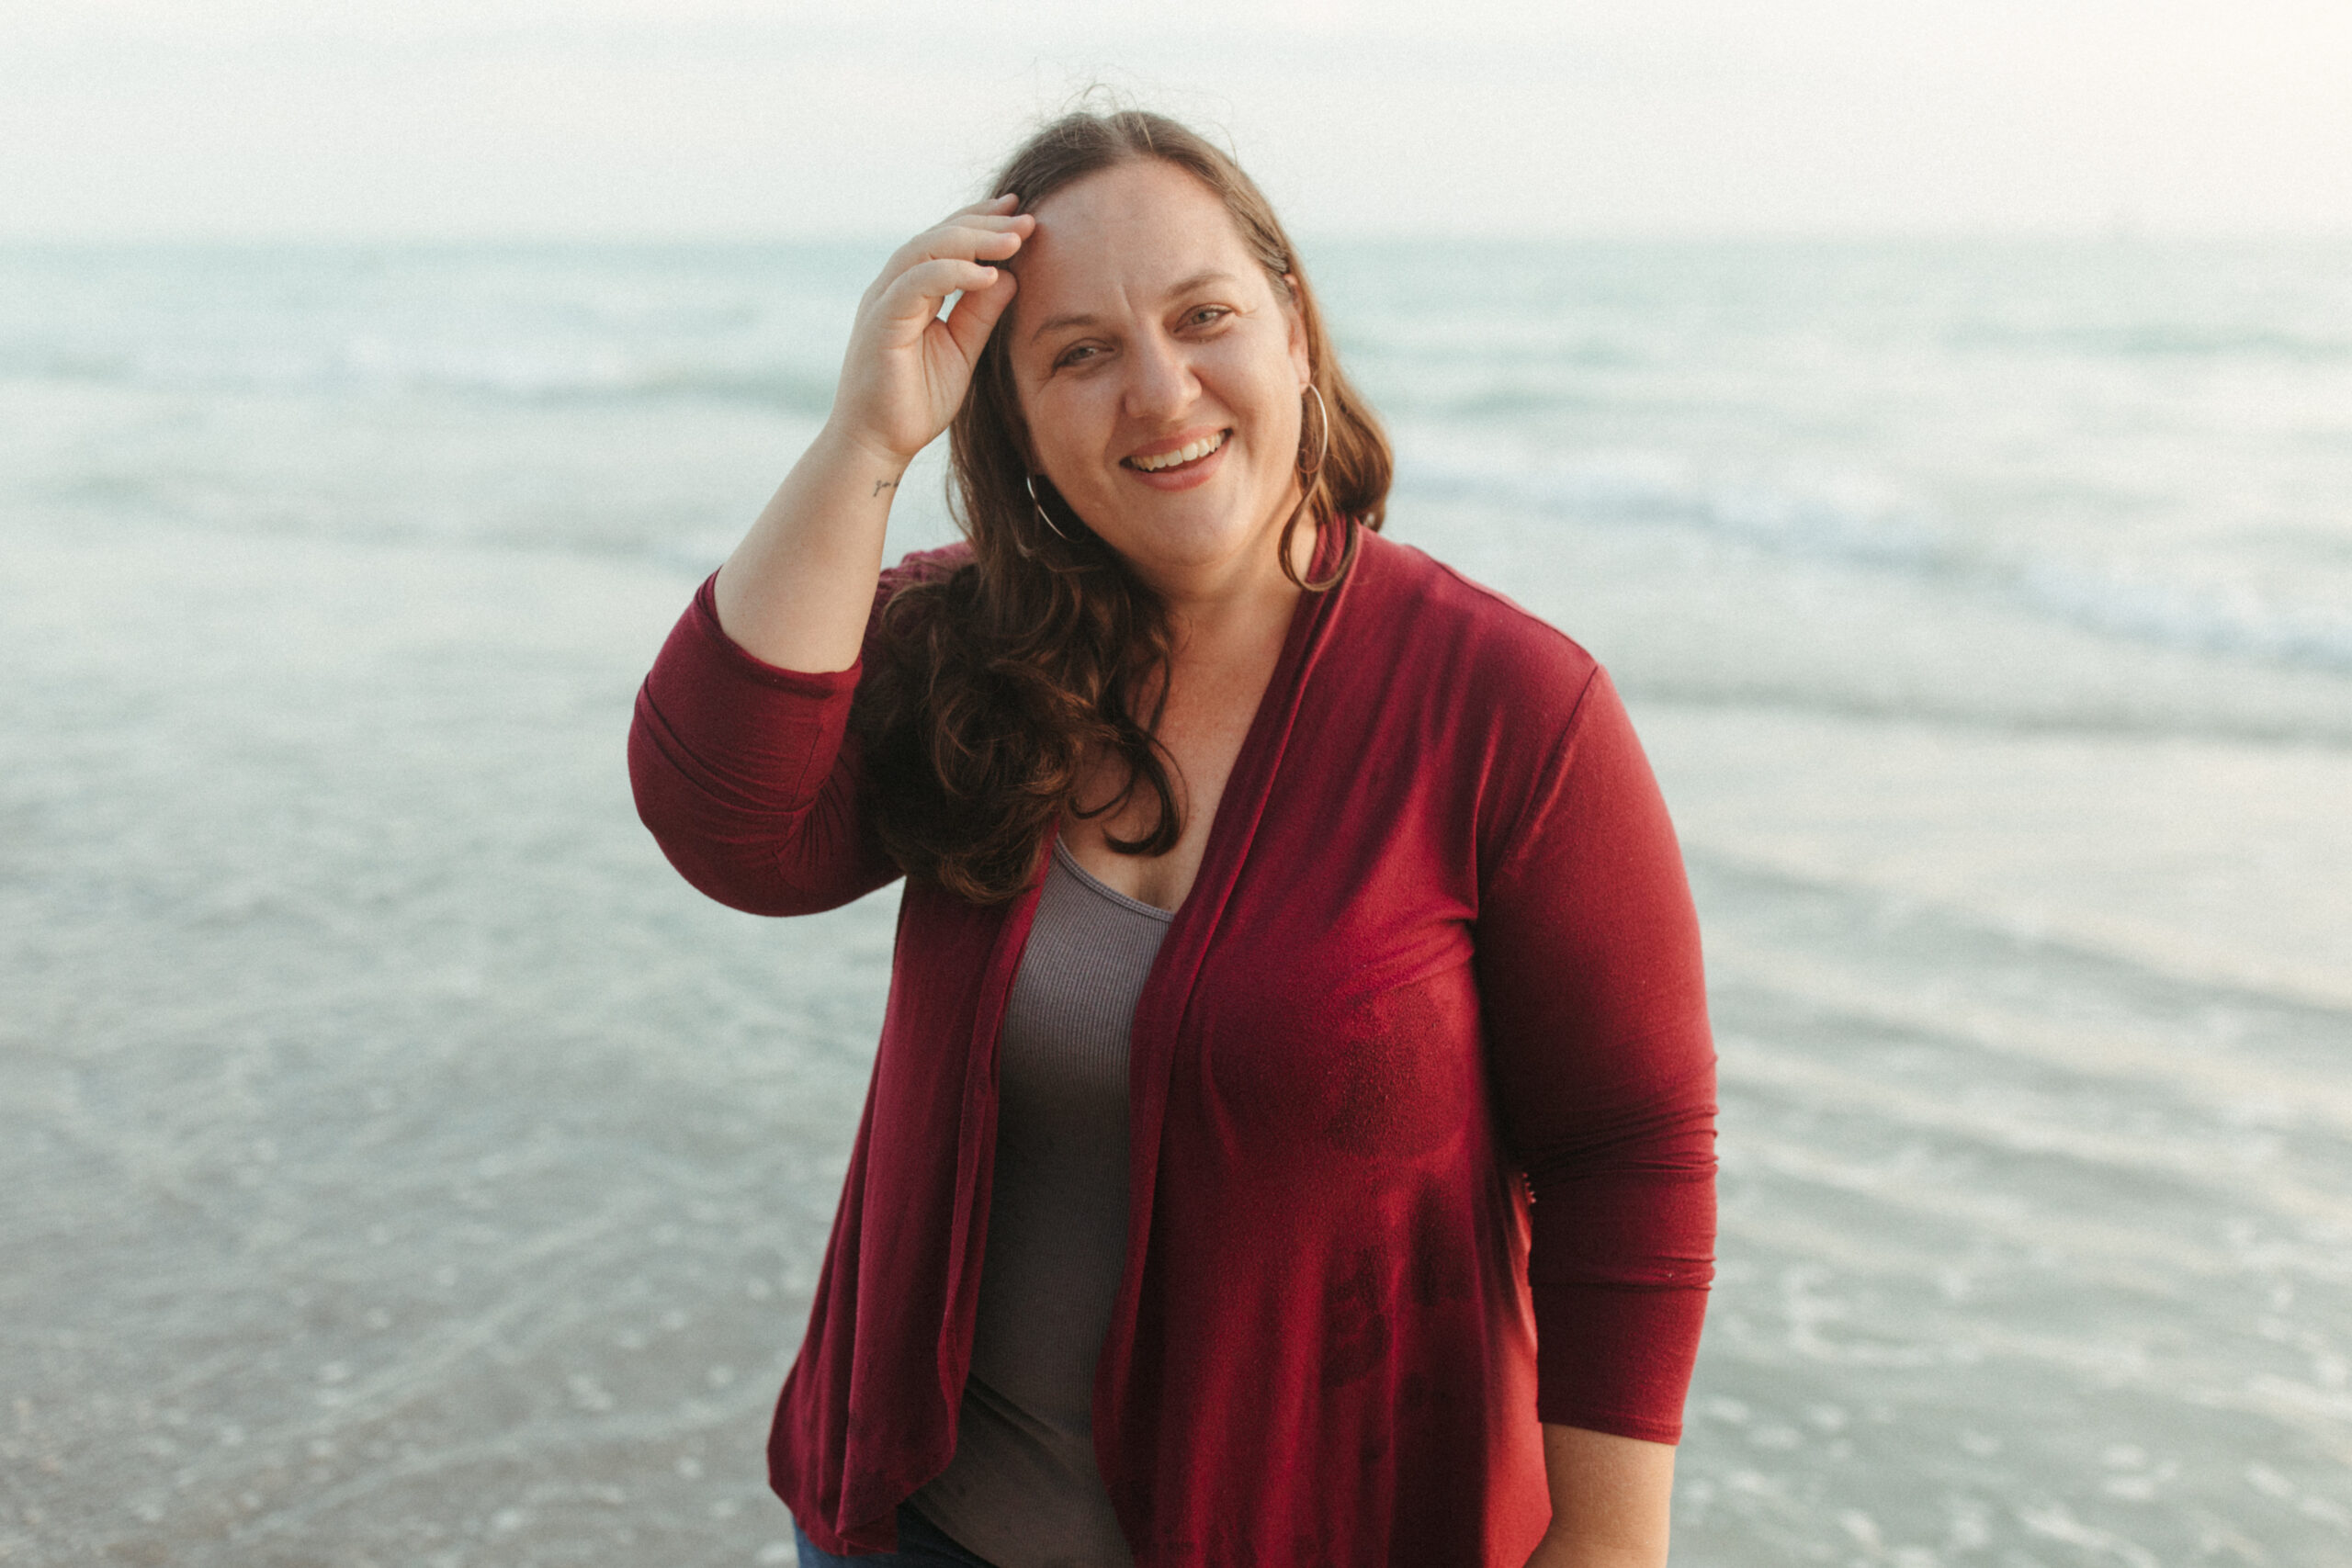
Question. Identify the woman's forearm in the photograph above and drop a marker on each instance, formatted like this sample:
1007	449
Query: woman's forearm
1610	1500
798	589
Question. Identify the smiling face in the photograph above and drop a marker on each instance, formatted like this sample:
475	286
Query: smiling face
1160	371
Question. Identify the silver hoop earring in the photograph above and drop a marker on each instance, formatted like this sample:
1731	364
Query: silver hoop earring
1323	449
1039	508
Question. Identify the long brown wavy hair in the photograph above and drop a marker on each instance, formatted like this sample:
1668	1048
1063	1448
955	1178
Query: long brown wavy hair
996	682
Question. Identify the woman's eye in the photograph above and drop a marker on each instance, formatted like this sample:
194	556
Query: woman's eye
1078	354
1206	314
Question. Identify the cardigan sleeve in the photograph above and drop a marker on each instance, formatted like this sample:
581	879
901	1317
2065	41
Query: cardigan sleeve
1589	974
746	775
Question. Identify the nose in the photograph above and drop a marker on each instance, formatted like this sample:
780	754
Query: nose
1160	383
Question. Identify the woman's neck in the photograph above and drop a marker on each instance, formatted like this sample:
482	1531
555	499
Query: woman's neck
1233	616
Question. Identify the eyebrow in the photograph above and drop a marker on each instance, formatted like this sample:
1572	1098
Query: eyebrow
1083	319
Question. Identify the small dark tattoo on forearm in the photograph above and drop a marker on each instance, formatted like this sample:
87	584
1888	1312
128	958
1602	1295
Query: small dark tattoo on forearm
881	485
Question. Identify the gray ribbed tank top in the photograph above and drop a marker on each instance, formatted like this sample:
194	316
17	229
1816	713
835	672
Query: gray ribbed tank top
1024	1490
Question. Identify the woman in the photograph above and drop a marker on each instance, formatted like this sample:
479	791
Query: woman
1283	913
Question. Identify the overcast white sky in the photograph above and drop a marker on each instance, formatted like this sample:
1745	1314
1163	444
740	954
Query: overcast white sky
454	119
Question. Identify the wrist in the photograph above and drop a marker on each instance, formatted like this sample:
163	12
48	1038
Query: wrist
844	446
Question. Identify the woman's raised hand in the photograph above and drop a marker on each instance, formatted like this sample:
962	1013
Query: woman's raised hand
906	370
797	590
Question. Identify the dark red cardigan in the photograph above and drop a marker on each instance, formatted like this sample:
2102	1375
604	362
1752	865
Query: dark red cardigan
1440	939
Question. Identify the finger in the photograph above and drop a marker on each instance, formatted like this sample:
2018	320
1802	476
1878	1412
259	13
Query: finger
988	220
980	250
938	244
917	293
968	243
977	314
976	223
1007	203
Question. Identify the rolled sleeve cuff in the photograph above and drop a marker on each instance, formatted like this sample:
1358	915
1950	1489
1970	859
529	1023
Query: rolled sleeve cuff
1616	1359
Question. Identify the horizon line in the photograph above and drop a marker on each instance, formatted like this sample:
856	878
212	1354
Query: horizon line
2112	233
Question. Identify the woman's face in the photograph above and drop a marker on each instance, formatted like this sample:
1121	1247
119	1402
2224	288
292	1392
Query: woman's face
1144	330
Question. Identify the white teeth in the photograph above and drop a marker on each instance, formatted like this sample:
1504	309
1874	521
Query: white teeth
1200	448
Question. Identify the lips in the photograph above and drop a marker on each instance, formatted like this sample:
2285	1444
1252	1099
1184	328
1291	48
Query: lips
1169	459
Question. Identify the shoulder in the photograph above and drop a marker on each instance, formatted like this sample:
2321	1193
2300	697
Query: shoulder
1457	638
1500	699
918	568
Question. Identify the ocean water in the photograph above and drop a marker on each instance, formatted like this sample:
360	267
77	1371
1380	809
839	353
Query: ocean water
403	1166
